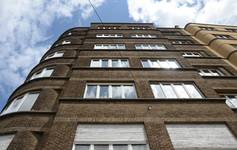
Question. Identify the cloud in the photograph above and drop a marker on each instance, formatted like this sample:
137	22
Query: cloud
25	27
181	12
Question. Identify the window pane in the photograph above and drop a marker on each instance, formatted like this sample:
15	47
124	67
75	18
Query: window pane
164	64
139	147
168	91
145	64
101	147
120	147
95	63
47	72
157	91
82	147
231	101
104	63
91	91
129	91
14	106
115	63
155	64
104	91
181	91
192	91
124	63
29	101
173	64
116	91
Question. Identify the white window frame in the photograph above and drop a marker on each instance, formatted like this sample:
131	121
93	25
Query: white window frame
231	102
42	73
143	36
154	90
110	65
167	61
110	90
55	55
109	35
92	146
217	72
109	46
181	42
150	46
65	42
191	54
22	102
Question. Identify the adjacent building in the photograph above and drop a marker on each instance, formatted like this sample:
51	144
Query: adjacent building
126	86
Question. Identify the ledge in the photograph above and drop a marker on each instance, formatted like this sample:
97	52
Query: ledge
139	100
219	77
27	113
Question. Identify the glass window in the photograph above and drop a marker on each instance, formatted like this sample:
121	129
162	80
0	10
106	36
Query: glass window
139	147
22	103
145	64
109	35
129	91
115	63
210	72
46	72
120	147
91	91
231	101
109	46
101	147
150	46
175	90
162	63
5	141
111	91
143	36
82	147
104	91
191	54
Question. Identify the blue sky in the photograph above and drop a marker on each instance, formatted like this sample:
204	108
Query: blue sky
29	27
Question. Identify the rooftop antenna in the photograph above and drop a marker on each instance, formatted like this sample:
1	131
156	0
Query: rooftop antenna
97	14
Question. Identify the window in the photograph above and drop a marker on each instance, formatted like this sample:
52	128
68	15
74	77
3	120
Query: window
181	42
150	46
231	101
109	35
175	90
114	91
234	45
46	72
208	28
66	42
22	103
114	63
210	72
139	27
109	46
167	33
110	137
231	29
55	55
191	54
162	63
201	136
108	27
143	36
5	141
219	36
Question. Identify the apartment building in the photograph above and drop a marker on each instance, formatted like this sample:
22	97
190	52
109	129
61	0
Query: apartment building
124	86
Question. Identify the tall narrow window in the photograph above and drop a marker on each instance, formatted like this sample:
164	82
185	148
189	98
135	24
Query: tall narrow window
231	101
109	46
124	91
46	72
150	46
55	55
110	137
113	63
5	141
175	90
162	63
22	103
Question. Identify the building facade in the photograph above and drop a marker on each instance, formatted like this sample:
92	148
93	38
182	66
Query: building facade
124	86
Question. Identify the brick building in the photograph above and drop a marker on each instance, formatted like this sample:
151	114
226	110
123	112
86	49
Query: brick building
125	86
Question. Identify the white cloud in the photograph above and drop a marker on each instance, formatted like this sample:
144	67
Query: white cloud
181	12
25	34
